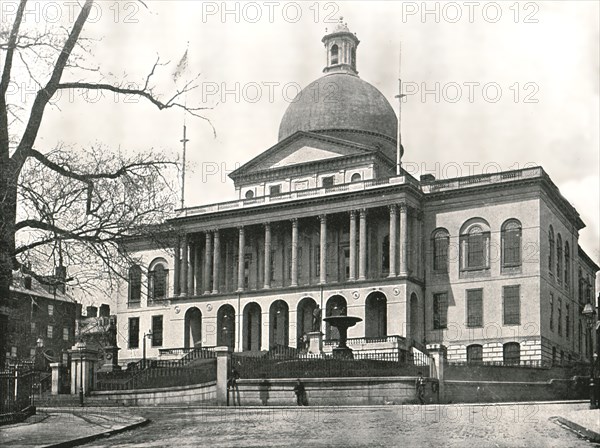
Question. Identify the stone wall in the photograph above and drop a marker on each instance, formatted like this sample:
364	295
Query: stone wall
196	394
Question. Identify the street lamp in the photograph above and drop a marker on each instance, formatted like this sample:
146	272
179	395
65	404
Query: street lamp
39	346
589	313
146	335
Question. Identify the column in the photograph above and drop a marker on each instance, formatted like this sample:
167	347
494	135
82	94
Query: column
267	276
191	249
176	266
198	269
403	239
294	267
207	262
241	248
393	236
184	266
420	252
352	275
216	261
323	249
362	250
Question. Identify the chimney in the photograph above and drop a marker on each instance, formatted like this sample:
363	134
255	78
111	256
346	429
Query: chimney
60	277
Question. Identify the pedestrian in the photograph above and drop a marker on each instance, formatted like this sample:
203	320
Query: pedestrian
305	342
232	386
300	392
420	387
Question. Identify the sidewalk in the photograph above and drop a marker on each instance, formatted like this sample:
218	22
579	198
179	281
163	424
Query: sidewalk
62	427
584	422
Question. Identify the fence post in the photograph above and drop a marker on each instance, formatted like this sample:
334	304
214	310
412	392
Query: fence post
223	358
437	363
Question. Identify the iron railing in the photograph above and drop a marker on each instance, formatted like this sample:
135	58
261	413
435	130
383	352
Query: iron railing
16	392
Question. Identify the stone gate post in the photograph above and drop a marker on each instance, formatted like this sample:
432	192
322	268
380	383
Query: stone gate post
223	360
436	367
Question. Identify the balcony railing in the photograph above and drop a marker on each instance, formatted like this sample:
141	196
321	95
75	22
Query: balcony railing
298	194
482	179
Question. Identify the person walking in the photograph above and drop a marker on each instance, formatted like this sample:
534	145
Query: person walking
300	392
420	387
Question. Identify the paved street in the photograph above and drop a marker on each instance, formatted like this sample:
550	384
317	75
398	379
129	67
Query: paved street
451	425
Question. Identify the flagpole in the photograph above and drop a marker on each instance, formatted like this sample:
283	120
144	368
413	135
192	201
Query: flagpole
399	96
184	140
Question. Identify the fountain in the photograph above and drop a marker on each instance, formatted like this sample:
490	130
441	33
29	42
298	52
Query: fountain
342	323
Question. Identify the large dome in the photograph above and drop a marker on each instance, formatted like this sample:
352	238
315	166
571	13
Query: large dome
339	101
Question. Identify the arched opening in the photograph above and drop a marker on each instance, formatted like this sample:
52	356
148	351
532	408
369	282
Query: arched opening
376	315
252	325
279	324
356	177
334	54
304	318
157	280
414	322
193	328
226	327
336	306
353	58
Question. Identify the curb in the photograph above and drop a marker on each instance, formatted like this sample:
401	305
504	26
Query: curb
100	435
593	436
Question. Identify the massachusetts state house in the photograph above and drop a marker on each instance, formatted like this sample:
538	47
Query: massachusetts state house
488	265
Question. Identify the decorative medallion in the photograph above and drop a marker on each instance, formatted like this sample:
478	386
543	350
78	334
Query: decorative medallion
356	295
396	291
177	309
209	307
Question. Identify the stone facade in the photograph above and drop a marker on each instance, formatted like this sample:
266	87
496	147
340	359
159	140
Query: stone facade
322	219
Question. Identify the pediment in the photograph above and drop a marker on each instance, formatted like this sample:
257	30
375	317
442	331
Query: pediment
301	149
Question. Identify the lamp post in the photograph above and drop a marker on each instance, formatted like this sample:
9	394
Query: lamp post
589	313
39	345
146	335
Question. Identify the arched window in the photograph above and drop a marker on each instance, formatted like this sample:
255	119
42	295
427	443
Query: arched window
580	286
355	177
376	315
135	285
559	257
441	241
157	280
551	249
249	194
474	354
334	54
512	353
475	244
567	264
511	244
353	58
226	326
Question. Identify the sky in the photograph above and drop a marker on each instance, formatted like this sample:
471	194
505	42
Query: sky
493	86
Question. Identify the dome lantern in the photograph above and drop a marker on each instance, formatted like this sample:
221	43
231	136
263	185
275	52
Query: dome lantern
340	46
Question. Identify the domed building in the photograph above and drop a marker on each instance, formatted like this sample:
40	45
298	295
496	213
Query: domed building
488	266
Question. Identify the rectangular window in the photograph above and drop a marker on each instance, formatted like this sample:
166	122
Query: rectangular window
50	331
32	353
327	182
474	307
247	262
272	265
33	328
551	312
559	316
440	310
50	310
289	263
134	332
157	331
567	320
512	304
346	262
317	261
13	352
66	333
274	190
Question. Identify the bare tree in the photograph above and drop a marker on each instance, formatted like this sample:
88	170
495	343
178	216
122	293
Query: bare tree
56	202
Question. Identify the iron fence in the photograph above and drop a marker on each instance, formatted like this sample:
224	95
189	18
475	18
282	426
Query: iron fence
16	392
